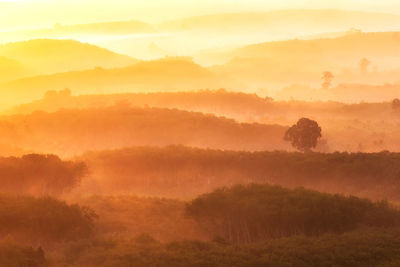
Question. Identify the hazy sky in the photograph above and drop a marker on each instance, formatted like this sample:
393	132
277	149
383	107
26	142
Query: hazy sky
38	13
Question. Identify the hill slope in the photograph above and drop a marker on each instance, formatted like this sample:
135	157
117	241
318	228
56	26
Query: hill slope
11	69
187	172
341	123
51	56
304	61
170	74
68	132
302	20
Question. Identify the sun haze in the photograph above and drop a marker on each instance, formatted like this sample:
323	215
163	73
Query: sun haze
199	133
38	13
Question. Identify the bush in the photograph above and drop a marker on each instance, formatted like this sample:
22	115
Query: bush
244	214
43	220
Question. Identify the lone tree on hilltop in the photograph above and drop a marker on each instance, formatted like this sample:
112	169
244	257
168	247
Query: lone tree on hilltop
396	104
364	65
327	78
304	134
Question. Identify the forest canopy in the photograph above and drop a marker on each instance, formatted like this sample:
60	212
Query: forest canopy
39	174
248	213
186	172
368	247
44	220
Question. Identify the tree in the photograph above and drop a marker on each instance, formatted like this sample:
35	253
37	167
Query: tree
304	134
327	79
396	104
364	64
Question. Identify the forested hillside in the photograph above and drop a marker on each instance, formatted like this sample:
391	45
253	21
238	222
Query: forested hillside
74	131
187	172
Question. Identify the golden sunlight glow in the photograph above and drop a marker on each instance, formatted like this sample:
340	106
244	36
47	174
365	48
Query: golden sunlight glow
217	133
39	13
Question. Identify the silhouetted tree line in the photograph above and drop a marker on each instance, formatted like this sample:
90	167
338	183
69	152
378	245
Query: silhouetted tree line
39	174
246	214
210	101
182	171
220	102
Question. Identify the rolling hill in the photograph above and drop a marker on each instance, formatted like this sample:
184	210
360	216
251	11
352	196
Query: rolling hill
75	131
169	74
344	125
187	172
238	105
291	20
11	69
304	61
52	56
189	36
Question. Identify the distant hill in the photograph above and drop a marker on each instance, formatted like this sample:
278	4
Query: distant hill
301	21
169	74
11	69
353	44
344	92
219	102
238	105
98	28
365	127
213	31
292	20
74	131
304	61
52	56
113	27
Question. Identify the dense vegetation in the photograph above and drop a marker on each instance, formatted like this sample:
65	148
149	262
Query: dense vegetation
361	127
187	172
43	220
246	214
12	255
67	132
242	106
39	174
282	228
369	247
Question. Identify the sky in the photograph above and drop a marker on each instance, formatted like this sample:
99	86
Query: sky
19	14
